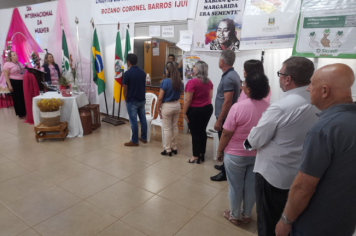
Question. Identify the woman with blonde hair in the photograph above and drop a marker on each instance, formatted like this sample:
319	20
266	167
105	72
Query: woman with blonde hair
13	72
169	106
198	109
52	70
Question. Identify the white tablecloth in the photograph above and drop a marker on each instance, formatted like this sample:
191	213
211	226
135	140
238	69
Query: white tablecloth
69	111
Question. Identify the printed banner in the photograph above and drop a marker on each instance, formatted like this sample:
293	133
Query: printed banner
188	66
218	25
326	29
269	24
112	12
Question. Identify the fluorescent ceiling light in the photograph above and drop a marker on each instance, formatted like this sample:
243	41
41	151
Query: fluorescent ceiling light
143	37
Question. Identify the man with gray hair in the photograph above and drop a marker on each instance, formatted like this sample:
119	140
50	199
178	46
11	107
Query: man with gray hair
278	139
227	94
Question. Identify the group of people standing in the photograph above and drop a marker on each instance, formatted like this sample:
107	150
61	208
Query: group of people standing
14	72
294	159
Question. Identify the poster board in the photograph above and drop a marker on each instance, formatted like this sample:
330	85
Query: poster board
218	25
326	29
269	24
189	61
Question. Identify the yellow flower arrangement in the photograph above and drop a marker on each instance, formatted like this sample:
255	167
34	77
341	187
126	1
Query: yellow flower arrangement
48	105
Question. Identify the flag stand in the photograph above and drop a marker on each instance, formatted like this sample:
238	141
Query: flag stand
112	119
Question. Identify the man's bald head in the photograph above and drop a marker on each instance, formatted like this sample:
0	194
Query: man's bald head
331	85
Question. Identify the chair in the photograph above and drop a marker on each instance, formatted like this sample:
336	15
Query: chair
158	122
151	99
214	134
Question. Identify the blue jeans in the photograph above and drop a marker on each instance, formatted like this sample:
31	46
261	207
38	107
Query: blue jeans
239	172
134	109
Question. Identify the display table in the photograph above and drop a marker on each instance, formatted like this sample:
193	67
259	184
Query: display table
69	111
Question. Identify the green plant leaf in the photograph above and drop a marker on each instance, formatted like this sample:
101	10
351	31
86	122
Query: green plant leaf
312	33
340	32
326	31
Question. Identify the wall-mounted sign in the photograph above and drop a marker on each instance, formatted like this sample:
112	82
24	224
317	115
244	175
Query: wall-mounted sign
110	12
218	25
269	26
167	31
326	30
154	31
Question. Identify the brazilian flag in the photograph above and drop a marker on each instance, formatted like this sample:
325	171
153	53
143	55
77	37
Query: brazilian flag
98	66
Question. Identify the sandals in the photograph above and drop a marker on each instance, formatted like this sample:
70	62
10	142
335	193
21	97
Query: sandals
232	219
165	153
245	220
175	151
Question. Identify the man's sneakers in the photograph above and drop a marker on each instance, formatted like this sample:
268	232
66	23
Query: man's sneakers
219	167
219	177
144	141
131	144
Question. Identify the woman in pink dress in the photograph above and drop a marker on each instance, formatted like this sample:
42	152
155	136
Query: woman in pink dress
13	72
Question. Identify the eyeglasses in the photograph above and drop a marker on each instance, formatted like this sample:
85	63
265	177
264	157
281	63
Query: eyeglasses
279	74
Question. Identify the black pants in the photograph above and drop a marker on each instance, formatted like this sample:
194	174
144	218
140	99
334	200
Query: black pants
270	203
198	121
219	133
18	97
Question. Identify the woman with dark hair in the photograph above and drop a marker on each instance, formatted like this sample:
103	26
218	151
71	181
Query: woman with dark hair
239	163
13	72
198	109
51	68
250	67
225	36
169	107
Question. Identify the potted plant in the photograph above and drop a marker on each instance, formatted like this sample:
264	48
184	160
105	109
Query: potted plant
64	86
49	110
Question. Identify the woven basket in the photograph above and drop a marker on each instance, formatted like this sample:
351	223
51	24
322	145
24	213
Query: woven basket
50	119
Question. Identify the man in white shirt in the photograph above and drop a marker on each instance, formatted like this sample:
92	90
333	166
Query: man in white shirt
279	138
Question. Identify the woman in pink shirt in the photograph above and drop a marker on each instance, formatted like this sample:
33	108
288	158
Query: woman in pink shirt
198	109
239	163
13	72
51	68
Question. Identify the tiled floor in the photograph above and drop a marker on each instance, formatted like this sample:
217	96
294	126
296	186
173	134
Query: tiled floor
96	186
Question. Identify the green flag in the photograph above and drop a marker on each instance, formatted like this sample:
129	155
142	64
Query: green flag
65	55
98	66
127	44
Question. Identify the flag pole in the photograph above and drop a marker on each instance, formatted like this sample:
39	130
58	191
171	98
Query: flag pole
106	103
91	77
113	99
113	120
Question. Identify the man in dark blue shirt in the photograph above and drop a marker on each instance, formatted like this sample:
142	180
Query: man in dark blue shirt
135	96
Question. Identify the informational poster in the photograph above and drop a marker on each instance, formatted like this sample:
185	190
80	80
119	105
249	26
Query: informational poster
111	12
155	48
168	31
269	24
326	29
154	31
218	25
188	66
